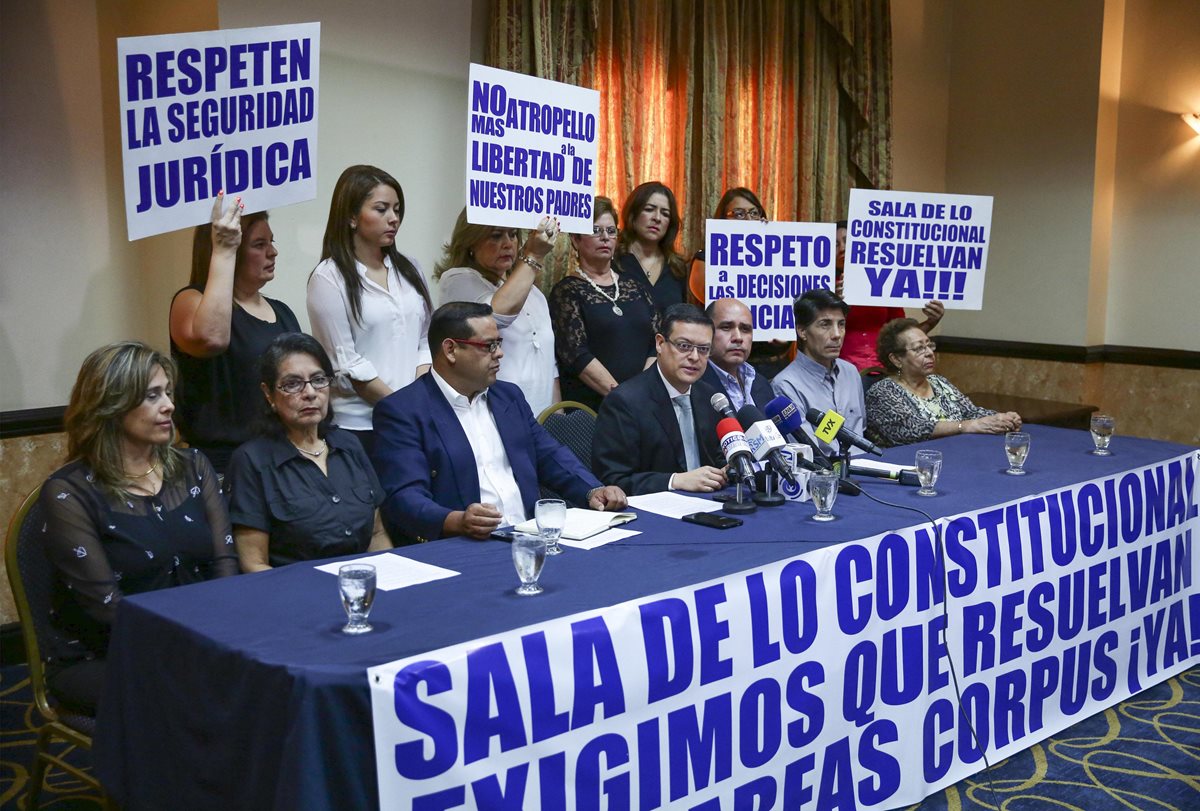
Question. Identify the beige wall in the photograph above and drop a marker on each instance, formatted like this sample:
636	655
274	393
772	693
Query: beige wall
921	93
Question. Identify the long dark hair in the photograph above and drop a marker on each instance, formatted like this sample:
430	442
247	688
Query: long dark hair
202	247
634	203
352	190
284	346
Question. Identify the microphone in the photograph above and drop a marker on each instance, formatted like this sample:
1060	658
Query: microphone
720	404
736	449
830	424
908	477
787	418
765	440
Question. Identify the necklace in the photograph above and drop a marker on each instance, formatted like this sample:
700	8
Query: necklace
616	289
153	468
313	454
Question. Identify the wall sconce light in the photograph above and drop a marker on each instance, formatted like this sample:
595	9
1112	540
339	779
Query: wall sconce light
1193	120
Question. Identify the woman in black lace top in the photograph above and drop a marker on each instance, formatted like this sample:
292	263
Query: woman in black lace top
604	320
128	513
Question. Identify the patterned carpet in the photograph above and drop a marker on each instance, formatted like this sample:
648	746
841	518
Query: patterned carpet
1142	755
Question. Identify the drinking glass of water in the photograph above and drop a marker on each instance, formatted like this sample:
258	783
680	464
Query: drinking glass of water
529	553
1016	447
551	517
1102	431
356	581
823	488
929	467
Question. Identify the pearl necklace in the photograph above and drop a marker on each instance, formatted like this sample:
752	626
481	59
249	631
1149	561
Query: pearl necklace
313	454
616	289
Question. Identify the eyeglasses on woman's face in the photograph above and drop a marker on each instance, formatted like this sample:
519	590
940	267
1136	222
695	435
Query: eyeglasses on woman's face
295	385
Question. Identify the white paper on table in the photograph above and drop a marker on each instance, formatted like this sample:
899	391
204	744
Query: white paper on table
882	467
673	505
600	538
581	523
395	571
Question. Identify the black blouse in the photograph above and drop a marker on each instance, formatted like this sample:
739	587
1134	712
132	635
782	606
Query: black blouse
217	399
274	488
668	290
104	547
586	329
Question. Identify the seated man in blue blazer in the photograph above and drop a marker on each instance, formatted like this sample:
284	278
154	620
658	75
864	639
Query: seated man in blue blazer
728	368
459	452
657	430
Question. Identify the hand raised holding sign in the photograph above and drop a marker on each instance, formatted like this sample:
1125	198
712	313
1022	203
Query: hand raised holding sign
227	224
541	240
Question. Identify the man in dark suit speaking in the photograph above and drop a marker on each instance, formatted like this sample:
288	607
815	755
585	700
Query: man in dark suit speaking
657	430
459	452
728	368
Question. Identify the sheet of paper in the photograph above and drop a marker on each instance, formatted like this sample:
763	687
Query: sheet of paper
883	467
600	538
395	571
582	523
673	505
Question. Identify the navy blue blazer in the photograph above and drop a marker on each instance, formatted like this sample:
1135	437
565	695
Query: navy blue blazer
427	469
760	390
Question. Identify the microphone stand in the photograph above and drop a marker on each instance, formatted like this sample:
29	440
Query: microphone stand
740	505
846	485
769	496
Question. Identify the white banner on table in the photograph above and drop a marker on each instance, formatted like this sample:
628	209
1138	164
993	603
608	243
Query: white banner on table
531	150
817	682
767	266
201	112
906	248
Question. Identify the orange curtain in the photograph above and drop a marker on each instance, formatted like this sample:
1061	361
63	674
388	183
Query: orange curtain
791	98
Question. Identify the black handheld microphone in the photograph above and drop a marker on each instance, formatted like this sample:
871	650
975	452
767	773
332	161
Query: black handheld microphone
790	422
831	424
908	477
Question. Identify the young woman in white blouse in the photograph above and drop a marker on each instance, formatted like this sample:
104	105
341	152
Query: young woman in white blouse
487	264
367	302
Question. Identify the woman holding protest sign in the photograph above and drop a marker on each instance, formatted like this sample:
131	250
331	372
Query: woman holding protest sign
604	320
483	263
646	248
914	404
368	303
740	203
220	324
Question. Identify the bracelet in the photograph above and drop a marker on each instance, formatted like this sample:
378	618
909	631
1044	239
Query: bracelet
960	428
533	263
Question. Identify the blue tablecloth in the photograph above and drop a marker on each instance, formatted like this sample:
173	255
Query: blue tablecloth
243	693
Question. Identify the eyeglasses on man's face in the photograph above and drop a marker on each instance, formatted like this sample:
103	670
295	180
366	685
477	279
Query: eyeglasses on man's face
687	348
491	347
295	385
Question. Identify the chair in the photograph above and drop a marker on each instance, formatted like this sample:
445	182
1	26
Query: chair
572	424
31	576
872	375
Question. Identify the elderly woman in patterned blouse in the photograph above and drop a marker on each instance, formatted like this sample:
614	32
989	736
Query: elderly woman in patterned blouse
913	404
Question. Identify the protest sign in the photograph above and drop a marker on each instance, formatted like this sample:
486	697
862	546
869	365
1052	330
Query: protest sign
767	266
531	150
217	110
862	675
906	248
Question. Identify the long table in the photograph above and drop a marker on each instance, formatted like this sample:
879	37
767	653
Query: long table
243	693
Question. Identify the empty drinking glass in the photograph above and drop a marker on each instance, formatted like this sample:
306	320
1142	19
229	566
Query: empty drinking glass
823	488
356	582
1016	447
529	553
929	467
1102	431
551	517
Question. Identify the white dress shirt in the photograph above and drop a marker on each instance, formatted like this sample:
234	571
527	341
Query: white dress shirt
528	360
390	342
497	485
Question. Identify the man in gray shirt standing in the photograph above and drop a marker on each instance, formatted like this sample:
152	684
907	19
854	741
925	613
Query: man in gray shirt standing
818	378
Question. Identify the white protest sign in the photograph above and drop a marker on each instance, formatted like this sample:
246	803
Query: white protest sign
767	266
217	110
906	248
531	150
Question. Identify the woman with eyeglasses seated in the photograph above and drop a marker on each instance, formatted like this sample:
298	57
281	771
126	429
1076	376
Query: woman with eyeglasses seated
488	265
646	248
739	203
604	319
304	489
129	513
914	404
